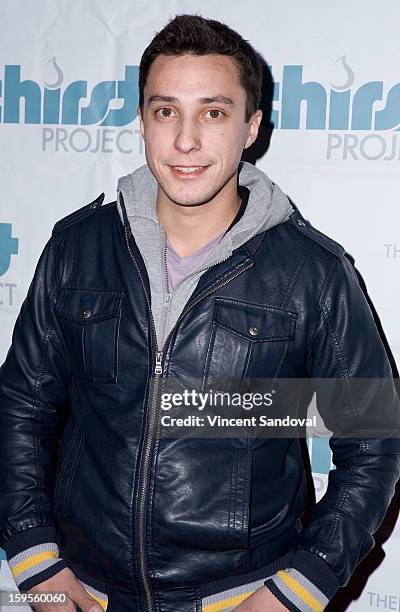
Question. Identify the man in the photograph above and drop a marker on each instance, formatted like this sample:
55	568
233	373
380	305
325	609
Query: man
201	270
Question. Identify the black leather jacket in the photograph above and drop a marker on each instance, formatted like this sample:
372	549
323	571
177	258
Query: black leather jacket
154	520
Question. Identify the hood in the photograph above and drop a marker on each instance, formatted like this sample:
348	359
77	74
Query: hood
266	207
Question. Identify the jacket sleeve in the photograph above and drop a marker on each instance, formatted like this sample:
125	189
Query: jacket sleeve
364	416
33	402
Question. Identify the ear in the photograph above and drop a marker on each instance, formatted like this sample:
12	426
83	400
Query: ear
254	125
141	123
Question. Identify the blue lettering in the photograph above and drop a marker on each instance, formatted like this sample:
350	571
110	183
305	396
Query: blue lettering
389	117
363	102
74	92
102	95
294	91
8	247
275	112
14	90
346	111
128	91
320	455
339	106
51	106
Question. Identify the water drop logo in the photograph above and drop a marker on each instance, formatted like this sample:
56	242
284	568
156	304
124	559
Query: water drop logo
349	72
8	247
59	74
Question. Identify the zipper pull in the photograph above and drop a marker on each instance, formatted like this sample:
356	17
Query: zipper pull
158	368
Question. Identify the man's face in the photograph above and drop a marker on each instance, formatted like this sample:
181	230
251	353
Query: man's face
194	117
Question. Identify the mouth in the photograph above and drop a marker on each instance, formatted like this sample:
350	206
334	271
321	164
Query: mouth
188	172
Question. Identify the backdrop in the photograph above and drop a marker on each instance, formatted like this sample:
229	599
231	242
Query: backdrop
68	130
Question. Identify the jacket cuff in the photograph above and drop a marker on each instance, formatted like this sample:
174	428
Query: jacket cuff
33	556
308	585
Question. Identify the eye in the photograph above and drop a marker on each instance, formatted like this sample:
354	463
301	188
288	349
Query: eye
164	115
215	110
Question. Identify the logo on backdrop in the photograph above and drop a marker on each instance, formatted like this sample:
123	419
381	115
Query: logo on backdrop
8	247
384	601
392	251
83	118
343	109
54	102
320	459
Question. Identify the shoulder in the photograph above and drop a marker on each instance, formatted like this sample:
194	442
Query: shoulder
328	260
78	215
311	233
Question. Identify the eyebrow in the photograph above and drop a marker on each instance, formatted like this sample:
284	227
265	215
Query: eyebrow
219	99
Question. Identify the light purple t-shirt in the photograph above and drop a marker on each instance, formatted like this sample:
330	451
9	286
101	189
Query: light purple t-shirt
179	268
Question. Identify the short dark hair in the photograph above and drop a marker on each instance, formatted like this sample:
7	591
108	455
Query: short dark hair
196	35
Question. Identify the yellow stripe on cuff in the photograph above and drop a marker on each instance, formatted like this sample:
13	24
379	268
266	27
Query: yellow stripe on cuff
31	561
102	602
300	591
226	603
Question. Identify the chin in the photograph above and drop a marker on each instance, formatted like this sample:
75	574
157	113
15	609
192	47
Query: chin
186	202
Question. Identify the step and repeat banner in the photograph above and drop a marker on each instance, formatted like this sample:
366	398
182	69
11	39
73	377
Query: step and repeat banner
69	129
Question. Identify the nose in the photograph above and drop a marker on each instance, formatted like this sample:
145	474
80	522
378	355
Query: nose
187	137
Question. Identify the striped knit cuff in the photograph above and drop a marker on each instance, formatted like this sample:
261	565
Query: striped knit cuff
230	598
32	556
308	586
99	596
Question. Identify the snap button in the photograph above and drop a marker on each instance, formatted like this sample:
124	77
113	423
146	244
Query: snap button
87	314
300	222
253	330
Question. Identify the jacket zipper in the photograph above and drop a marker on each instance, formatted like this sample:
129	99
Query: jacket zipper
152	421
147	447
166	304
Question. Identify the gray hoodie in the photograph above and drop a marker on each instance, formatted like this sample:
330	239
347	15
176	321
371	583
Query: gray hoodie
266	207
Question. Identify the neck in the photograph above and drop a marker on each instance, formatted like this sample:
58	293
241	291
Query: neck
189	228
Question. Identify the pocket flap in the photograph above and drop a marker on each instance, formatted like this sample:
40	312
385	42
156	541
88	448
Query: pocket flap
87	306
255	322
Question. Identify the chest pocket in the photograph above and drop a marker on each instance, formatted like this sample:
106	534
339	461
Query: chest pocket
247	340
90	321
